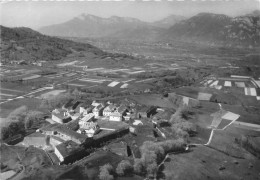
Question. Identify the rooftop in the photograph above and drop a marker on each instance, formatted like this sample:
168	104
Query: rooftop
60	113
121	108
110	107
64	130
67	148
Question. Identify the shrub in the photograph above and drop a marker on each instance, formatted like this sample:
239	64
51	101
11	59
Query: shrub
172	145
185	126
105	172
151	169
33	118
139	166
124	167
179	133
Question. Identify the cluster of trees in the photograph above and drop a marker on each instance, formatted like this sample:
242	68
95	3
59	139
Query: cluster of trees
180	127
153	153
21	120
107	172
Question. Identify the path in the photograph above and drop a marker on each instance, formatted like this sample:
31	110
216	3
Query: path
32	92
212	132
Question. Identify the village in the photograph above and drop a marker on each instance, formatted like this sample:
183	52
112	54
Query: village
81	123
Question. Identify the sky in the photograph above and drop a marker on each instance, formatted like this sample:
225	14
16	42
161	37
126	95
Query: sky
35	14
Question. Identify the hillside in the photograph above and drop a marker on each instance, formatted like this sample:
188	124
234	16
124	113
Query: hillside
27	44
217	29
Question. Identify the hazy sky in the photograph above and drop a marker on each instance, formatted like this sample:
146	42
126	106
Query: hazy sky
37	14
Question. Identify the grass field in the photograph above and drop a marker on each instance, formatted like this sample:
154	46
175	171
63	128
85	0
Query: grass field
205	163
31	103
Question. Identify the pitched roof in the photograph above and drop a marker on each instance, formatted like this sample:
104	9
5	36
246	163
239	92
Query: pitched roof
121	108
110	107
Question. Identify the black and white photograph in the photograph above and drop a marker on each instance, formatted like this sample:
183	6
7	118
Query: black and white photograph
130	90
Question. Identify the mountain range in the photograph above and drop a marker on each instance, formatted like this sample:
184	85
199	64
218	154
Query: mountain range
218	29
87	25
203	27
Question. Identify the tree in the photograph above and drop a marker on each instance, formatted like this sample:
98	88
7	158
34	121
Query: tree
151	170
124	167
5	133
106	172
32	118
139	166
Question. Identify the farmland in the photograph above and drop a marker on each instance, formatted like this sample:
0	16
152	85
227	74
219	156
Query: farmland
210	82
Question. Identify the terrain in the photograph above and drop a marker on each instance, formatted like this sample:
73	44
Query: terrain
207	101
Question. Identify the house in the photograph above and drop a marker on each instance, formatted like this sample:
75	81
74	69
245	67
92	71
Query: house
115	116
146	112
129	116
89	129
67	151
109	109
86	119
60	116
97	111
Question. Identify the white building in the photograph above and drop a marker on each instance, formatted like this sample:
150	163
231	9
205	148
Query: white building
115	116
84	121
89	129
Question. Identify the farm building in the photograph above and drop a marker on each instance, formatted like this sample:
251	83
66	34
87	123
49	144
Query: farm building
60	116
146	112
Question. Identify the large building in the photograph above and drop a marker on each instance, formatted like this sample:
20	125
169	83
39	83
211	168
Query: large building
63	132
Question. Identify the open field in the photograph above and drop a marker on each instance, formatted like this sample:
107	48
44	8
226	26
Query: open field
205	163
8	107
